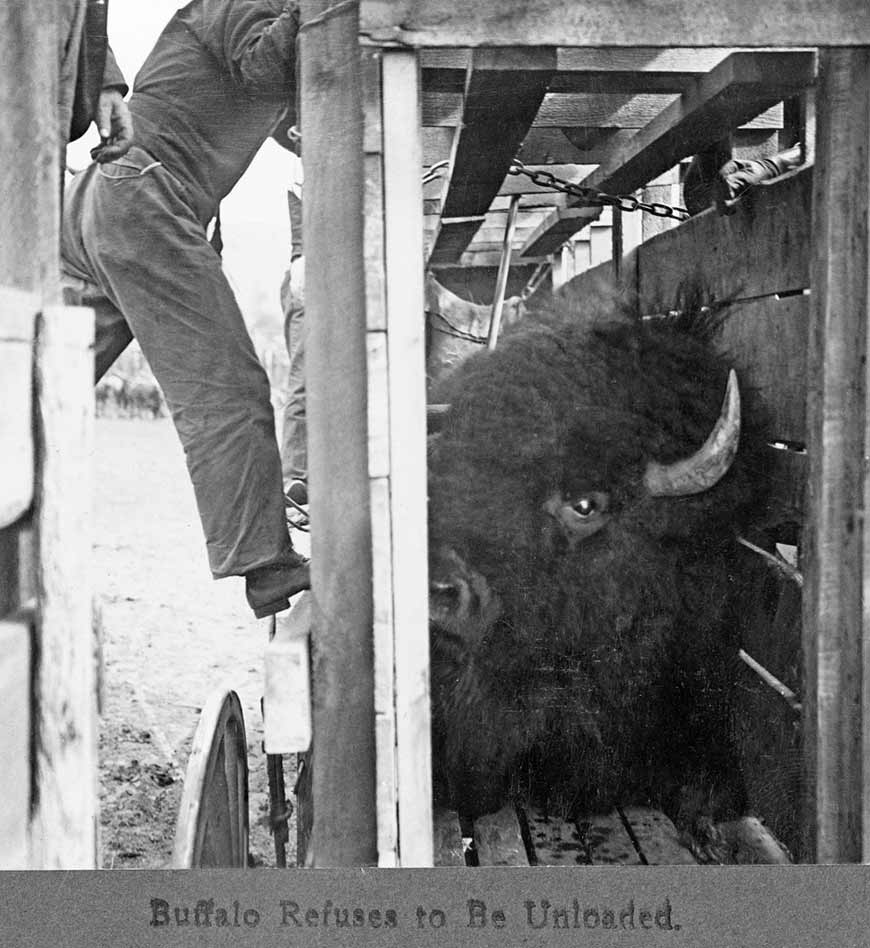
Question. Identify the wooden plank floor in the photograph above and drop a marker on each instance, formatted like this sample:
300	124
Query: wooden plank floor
629	836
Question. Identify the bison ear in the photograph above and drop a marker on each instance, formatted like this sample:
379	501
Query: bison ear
707	466
581	516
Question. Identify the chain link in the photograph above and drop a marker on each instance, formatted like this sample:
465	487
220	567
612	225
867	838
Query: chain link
592	197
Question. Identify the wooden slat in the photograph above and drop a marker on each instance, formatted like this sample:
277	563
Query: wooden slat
447	843
64	827
739	88
384	683
344	827
29	150
555	842
560	225
615	23
15	746
403	257
836	721
607	840
631	70
503	93
17	318
657	838
768	338
499	840
774	220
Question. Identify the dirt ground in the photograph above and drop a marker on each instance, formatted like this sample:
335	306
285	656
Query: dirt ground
171	636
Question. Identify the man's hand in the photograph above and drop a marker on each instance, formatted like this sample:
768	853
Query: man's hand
115	126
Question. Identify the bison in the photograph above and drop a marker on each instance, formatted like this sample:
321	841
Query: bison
585	583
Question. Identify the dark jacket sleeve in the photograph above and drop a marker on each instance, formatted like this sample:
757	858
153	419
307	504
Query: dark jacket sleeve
113	78
97	69
256	42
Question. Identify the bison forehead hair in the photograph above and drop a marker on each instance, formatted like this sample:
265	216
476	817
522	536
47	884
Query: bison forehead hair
570	405
567	596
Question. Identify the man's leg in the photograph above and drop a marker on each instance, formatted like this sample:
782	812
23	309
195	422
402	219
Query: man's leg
150	257
294	445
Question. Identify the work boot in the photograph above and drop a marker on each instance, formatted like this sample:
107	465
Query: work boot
268	588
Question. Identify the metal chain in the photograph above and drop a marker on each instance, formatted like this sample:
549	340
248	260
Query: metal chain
592	197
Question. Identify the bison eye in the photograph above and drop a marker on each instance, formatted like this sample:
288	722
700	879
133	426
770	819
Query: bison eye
586	506
580	516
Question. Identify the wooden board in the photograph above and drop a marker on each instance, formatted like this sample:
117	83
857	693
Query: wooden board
503	93
407	413
555	842
607	840
64	826
15	748
29	151
767	339
498	839
447	843
773	219
17	319
656	837
836	719
344	821
615	23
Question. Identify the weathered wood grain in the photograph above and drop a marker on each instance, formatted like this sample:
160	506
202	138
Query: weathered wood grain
503	93
767	339
774	220
64	827
656	837
607	840
403	230
447	844
615	23
556	842
14	743
18	311
344	823
30	170
836	720
499	840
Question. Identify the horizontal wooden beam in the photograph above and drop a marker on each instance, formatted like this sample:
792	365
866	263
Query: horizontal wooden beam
616	23
560	225
591	110
504	90
741	87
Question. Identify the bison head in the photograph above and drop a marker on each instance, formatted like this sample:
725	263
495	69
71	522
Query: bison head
584	491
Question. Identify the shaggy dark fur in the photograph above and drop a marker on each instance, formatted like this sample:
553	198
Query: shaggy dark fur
590	674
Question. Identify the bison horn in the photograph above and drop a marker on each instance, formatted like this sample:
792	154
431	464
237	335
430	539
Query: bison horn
707	466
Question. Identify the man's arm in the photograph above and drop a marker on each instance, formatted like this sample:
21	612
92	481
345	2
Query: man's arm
256	39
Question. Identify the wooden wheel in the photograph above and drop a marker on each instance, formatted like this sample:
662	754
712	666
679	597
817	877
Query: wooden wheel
212	828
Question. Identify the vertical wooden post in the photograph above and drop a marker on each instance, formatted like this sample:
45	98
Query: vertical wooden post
405	327
64	827
29	149
343	776
837	595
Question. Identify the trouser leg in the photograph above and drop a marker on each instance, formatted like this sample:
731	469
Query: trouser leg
134	236
294	439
